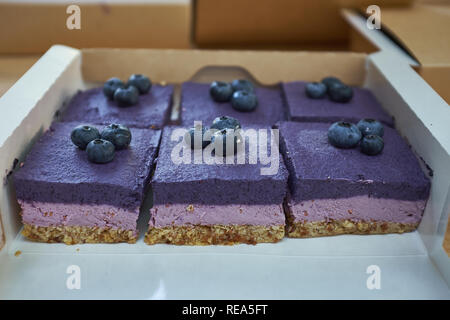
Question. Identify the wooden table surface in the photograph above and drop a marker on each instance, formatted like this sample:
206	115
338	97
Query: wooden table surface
13	67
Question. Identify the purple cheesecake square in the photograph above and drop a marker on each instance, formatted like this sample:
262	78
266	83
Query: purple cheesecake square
201	203
66	197
329	186
213	184
197	105
92	106
304	109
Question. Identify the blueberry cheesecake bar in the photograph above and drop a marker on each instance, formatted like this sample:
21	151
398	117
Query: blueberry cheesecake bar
331	100
200	203
82	183
238	99
136	103
348	178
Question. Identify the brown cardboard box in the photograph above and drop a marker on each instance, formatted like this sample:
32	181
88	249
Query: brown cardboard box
255	23
423	31
34	27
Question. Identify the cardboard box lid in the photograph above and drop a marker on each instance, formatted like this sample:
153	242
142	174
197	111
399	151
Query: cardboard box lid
423	30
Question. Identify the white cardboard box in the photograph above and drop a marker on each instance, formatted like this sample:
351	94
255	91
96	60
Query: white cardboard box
413	265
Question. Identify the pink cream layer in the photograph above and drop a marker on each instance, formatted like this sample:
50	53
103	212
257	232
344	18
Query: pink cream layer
358	208
230	214
45	214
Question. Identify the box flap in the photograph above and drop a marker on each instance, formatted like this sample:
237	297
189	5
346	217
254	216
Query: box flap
423	30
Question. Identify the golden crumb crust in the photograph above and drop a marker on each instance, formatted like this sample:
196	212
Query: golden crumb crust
337	227
215	234
77	234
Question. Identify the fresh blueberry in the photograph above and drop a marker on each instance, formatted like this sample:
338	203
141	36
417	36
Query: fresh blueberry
370	126
194	134
226	141
372	144
316	90
117	134
141	82
329	81
244	101
340	93
221	91
224	122
111	86
242	85
83	134
100	151
343	134
126	96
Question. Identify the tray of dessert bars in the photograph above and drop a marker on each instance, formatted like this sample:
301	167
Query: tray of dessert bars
158	174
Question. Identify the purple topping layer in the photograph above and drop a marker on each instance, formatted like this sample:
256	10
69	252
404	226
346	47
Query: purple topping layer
320	171
91	106
214	183
197	105
302	108
57	171
206	215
